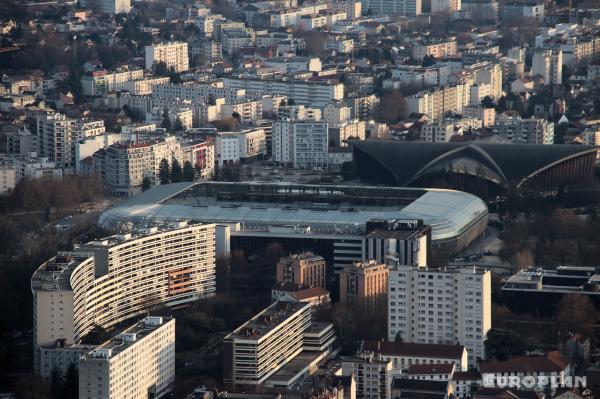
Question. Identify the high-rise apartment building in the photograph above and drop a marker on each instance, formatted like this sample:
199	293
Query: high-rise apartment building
548	64
265	343
7	175
123	166
304	268
110	280
440	306
137	363
303	144
56	135
231	147
411	8
111	7
174	55
373	375
364	283
525	131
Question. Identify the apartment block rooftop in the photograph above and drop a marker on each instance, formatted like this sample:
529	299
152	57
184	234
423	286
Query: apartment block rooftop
267	320
127	338
55	274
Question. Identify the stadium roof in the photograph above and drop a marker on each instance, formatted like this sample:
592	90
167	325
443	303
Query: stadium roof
449	212
406	162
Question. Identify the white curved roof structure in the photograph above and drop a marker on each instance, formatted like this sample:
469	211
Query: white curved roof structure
325	209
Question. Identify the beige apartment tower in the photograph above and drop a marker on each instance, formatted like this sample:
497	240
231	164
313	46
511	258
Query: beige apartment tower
137	363
364	282
302	269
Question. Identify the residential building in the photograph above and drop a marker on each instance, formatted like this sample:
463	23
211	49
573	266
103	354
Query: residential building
548	64
96	83
486	115
529	131
56	136
437	50
406	354
249	112
437	131
124	165
554	366
138	362
303	268
111	7
414	388
440	306
438	6
521	11
350	129
232	147
373	376
58	358
173	266
431	372
302	144
30	166
466	383
8	179
294	64
437	102
174	55
298	112
410	8
276	334
313	93
364	283
22	141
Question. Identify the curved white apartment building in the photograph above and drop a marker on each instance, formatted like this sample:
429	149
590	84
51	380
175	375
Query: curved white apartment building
113	279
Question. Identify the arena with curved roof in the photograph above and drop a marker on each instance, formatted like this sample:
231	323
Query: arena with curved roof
521	166
327	219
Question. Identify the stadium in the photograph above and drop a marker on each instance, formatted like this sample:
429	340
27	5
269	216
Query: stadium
329	220
501	166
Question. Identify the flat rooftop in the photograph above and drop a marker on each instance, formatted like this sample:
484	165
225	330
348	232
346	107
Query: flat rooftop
267	320
128	338
335	209
55	274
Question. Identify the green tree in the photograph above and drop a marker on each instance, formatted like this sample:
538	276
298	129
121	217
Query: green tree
70	389
178	126
188	171
502	344
146	183
164	172
166	120
160	68
176	172
487	102
428	61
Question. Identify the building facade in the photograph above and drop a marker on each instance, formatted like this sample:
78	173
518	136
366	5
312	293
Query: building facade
174	55
137	363
440	307
302	144
304	268
108	281
364	283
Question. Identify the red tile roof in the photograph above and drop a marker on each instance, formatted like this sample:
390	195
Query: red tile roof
440	351
552	362
441	368
471	375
